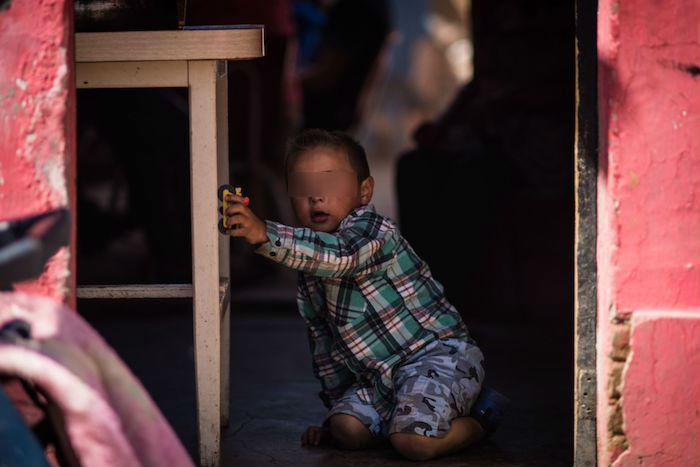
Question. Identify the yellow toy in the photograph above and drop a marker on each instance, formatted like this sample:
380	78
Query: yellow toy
225	190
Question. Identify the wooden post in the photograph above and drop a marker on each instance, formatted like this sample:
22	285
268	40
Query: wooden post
204	134
585	282
224	258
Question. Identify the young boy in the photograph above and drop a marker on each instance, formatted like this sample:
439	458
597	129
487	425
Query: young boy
393	356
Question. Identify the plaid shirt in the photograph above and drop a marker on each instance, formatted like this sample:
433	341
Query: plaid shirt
369	301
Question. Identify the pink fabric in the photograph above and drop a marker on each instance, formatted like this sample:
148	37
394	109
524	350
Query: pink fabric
111	420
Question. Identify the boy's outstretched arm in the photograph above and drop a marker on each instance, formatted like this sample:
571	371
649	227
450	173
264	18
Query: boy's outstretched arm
367	246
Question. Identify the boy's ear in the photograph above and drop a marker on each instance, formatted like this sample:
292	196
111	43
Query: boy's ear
366	190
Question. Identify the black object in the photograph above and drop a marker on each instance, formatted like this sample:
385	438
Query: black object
220	193
15	330
222	228
26	244
222	188
125	15
489	409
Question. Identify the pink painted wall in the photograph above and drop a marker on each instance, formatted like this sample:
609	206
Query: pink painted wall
649	228
37	122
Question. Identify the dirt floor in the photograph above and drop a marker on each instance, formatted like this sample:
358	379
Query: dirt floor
273	396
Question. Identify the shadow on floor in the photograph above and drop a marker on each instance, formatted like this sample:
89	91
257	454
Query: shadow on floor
273	394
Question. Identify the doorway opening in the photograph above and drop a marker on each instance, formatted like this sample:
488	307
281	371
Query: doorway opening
473	126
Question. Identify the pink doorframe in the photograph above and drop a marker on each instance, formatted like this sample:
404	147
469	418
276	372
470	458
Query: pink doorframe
37	125
648	233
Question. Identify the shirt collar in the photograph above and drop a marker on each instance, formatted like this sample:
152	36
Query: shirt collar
356	212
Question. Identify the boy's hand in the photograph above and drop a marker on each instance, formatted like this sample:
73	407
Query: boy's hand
247	224
315	435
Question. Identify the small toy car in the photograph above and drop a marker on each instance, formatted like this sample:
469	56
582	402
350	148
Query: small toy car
223	191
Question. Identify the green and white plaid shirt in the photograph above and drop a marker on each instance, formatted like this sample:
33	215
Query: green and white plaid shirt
369	301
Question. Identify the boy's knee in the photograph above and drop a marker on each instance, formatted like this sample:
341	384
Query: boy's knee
348	432
413	446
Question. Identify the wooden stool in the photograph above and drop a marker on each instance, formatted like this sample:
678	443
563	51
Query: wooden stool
195	59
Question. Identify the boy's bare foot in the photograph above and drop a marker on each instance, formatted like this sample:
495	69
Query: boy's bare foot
315	435
464	431
343	432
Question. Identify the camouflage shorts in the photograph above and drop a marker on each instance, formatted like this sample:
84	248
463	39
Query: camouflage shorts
437	384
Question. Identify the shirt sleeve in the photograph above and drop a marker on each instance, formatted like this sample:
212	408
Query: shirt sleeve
366	247
334	376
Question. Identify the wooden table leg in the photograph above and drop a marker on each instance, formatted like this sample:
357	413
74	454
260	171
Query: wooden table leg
204	144
224	258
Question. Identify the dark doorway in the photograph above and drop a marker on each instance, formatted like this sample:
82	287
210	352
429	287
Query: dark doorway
491	165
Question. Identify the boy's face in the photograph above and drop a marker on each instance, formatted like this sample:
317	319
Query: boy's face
325	208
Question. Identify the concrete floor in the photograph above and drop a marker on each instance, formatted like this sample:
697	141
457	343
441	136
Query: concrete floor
273	397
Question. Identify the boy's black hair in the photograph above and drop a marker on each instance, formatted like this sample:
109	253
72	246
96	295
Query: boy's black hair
315	137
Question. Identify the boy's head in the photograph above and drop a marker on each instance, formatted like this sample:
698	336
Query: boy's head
327	177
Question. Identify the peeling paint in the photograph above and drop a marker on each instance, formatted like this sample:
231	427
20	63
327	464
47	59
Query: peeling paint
55	177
